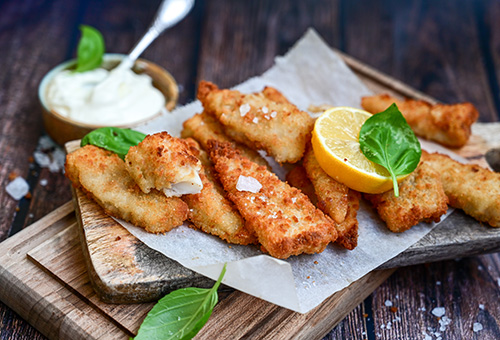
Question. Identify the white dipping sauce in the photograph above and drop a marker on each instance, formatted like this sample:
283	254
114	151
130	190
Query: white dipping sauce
102	97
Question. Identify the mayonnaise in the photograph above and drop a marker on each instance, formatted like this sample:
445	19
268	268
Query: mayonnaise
102	97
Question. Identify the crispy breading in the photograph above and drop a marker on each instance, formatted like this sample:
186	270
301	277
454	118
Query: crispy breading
262	121
421	199
102	176
204	127
469	187
449	125
332	195
164	163
210	211
285	221
297	177
347	230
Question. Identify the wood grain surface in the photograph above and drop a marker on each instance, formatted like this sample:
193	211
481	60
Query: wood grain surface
447	49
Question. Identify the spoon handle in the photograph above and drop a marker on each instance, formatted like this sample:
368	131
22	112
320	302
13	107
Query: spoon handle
169	13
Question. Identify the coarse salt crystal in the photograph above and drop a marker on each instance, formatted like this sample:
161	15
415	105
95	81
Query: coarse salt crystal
43	182
443	322
273	114
18	188
481	306
388	303
42	159
476	327
249	184
244	109
438	311
265	109
294	199
255	120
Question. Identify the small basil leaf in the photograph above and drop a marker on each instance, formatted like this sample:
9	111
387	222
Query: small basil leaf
90	49
387	139
180	314
113	139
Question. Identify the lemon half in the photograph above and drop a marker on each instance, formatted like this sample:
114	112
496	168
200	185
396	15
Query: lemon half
335	141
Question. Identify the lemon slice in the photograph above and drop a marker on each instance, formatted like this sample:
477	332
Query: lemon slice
335	141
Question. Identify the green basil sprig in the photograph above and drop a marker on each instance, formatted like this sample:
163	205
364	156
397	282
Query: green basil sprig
114	139
90	49
387	139
180	314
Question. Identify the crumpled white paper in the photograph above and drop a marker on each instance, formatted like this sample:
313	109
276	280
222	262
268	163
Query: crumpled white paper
310	73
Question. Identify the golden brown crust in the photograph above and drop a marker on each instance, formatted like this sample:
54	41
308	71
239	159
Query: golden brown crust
332	195
284	220
449	125
264	120
204	127
347	230
103	177
469	187
421	199
159	161
210	211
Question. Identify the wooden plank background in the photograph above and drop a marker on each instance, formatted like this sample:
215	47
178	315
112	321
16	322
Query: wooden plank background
447	49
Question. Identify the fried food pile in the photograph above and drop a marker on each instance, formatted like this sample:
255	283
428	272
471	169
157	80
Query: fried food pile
216	177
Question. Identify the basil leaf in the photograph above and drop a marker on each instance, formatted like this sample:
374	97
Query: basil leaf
90	49
113	139
180	314
387	139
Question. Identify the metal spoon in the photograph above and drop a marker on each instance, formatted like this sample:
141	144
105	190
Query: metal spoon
169	13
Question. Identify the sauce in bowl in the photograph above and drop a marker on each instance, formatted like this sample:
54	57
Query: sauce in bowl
104	97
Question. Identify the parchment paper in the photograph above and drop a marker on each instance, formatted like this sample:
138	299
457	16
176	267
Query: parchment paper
310	73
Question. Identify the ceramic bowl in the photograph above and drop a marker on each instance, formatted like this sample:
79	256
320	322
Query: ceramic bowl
63	129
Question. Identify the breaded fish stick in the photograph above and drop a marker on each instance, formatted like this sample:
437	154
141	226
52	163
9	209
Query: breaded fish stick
164	163
285	221
469	187
421	199
204	127
210	211
348	229
102	175
449	125
332	195
262	121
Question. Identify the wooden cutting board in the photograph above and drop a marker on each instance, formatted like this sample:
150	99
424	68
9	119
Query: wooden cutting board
51	280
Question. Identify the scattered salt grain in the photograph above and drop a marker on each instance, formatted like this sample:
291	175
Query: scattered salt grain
255	120
389	325
388	303
498	281
273	114
438	311
481	306
42	159
43	182
438	283
476	327
265	109
294	199
244	109
18	188
443	322
427	336
248	184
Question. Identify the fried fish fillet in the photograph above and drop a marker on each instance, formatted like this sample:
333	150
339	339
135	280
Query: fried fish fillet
204	127
164	163
102	176
262	121
347	230
285	221
449	125
469	187
421	199
332	195
210	211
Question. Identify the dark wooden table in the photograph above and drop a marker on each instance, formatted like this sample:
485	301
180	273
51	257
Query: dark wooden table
447	49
